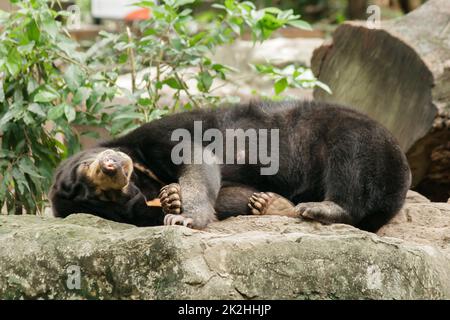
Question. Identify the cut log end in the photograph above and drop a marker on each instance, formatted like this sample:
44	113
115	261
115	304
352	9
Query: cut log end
399	75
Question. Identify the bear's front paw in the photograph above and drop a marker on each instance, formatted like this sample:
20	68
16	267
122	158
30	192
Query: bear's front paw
173	219
195	220
170	197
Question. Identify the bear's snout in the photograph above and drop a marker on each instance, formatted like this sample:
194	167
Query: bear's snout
109	166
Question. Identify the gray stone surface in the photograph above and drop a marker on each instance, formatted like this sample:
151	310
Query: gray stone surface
249	257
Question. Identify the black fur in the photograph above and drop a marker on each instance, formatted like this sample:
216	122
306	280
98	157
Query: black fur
327	152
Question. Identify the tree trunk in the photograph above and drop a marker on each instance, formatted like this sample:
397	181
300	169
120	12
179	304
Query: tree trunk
399	75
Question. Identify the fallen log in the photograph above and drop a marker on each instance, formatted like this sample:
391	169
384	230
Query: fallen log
399	74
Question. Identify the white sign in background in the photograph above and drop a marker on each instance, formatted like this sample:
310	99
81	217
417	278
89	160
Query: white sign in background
112	9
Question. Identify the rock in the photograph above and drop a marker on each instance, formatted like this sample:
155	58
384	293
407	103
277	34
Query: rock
415	197
250	257
426	223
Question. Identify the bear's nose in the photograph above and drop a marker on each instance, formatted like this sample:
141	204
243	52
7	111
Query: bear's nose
109	166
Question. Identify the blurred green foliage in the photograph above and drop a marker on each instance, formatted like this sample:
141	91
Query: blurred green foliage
45	87
172	50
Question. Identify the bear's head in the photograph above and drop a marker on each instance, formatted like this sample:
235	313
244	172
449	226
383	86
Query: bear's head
107	170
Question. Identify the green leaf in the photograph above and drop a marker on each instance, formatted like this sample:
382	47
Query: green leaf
33	32
6	154
273	10
280	85
13	62
205	81
123	58
49	25
218	6
70	112
74	77
28	168
179	3
157	114
129	116
235	27
26	49
81	95
263	68
300	24
145	101
98	107
173	83
61	146
229	4
257	15
188	106
45	96
69	47
32	85
197	37
18	96
185	12
56	112
144	4
36	109
270	22
28	119
20	181
158	85
20	146
6	118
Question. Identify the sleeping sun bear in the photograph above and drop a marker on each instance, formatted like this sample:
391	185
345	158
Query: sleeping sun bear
330	164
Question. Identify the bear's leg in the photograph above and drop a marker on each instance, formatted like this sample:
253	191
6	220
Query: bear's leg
343	184
269	203
233	201
197	189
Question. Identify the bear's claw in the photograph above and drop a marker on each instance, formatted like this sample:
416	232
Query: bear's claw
170	197
174	219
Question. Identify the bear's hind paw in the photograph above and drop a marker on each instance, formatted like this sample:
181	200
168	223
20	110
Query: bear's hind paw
326	212
269	203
